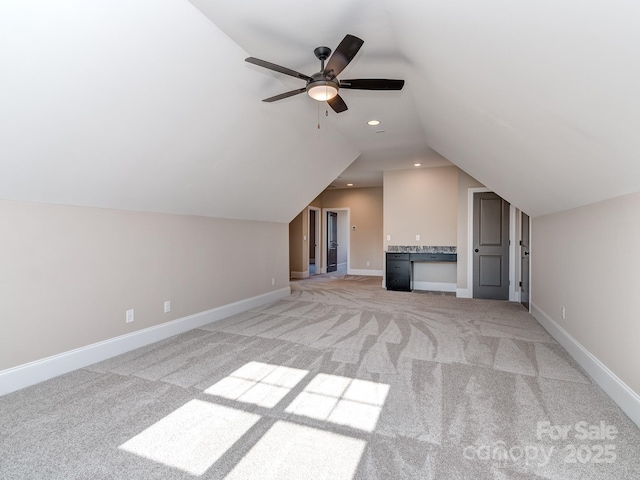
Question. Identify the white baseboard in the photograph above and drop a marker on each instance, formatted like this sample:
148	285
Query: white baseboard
28	374
435	286
304	274
625	397
366	272
463	293
342	265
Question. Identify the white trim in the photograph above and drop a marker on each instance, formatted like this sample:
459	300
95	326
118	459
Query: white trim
530	261
304	274
513	295
620	392
463	293
435	286
366	273
28	374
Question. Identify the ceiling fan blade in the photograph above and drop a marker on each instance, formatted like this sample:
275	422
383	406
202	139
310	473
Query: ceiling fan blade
372	84
285	95
277	68
342	55
337	103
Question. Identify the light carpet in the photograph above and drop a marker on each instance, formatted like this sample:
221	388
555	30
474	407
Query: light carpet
342	380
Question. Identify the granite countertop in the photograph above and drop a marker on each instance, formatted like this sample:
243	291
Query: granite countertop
421	249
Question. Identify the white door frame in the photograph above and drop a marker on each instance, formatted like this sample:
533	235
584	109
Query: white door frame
513	295
324	236
318	236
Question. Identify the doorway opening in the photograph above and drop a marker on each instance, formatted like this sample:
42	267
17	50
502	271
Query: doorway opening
490	246
524	259
314	241
492	263
336	240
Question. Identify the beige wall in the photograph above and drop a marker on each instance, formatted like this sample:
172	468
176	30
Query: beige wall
421	202
365	205
587	260
69	273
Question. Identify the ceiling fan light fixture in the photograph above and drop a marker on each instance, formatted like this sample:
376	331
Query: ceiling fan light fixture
373	122
322	92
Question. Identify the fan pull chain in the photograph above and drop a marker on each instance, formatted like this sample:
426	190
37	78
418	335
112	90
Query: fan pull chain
318	115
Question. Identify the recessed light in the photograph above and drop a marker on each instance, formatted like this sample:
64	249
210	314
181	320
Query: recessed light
349	184
417	164
373	123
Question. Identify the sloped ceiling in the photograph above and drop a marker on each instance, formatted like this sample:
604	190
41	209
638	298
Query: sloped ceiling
148	104
539	100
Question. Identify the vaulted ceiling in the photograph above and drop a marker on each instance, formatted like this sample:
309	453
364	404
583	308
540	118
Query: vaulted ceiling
149	105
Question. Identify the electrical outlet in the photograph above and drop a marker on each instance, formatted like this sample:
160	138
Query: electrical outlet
167	306
417	238
273	281
368	264
129	316
564	313
388	238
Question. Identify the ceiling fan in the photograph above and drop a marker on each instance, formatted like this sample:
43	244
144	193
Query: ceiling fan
324	85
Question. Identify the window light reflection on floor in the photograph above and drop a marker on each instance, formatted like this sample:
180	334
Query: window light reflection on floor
193	437
341	400
196	435
292	452
258	383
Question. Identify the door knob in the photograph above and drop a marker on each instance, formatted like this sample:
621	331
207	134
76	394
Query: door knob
526	253
476	250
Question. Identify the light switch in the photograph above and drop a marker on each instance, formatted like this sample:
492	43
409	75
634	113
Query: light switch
417	238
305	238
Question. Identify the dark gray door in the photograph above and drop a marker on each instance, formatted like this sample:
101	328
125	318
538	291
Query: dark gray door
490	246
332	241
524	261
312	237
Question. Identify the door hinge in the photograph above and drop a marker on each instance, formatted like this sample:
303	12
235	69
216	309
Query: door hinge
520	242
520	283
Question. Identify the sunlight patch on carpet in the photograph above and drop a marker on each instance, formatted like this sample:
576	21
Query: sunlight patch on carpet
193	437
294	452
340	400
258	383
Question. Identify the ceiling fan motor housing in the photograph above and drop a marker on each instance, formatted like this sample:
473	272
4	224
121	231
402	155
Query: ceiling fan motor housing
319	80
